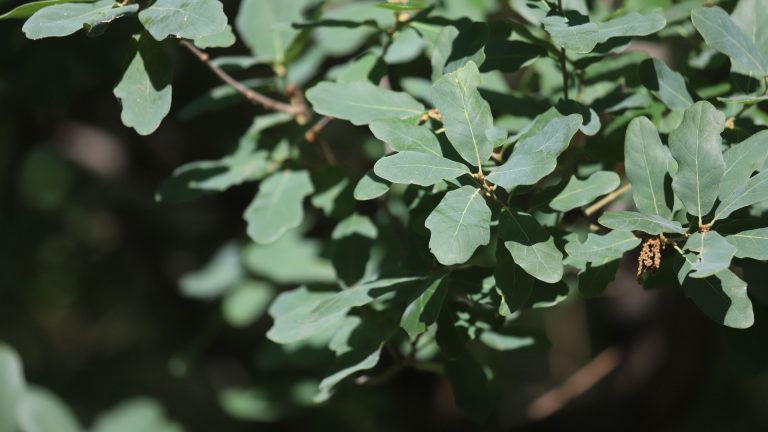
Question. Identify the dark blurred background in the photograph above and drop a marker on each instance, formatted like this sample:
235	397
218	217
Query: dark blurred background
89	265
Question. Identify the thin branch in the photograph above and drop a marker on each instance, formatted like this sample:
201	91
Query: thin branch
314	131
250	94
607	200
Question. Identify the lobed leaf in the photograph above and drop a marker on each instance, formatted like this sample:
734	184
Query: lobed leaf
66	18
185	19
459	224
418	168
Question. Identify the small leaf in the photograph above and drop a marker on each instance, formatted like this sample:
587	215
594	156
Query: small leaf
751	244
695	145
145	90
418	168
459	224
370	187
278	205
138	414
26	10
404	136
11	386
647	162
457	45
185	19
246	303
754	191
39	410
723	297
582	192
600	249
424	307
219	274
714	254
531	246
666	84
266	26
304	254
583	37
223	39
291	309
67	18
506	342
741	161
634	221
721	33
362	102
466	115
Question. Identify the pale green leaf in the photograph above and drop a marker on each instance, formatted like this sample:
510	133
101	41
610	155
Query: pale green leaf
304	255
291	308
278	206
741	161
186	19
647	163
581	192
714	253
554	136
459	224
583	37
666	84
457	45
695	145
424	307
11	386
405	136
505	342
266	26
721	33
750	16
140	414
145	90
246	303
634	221
67	18
222	39
723	297
418	168
39	410
751	243
26	10
362	102
466	115
600	249
218	275
370	187
755	190
531	246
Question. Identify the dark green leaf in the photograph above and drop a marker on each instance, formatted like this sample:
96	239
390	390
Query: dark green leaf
531	246
666	84
723	297
424	307
278	206
647	163
459	224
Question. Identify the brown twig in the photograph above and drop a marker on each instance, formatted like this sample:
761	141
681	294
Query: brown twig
255	97
314	131
607	200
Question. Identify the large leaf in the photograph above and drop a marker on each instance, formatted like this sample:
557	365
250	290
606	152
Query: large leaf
145	90
723	297
741	160
722	34
39	410
278	206
26	10
634	221
751	243
754	191
531	246
67	18
424	307
579	37
418	168
11	387
714	254
405	136
265	26
466	115
666	84
750	16
136	415
600	249
581	192
459	224
647	163
695	145
362	102
187	19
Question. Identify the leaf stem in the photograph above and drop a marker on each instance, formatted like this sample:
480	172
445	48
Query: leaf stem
589	211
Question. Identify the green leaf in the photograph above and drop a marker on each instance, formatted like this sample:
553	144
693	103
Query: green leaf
39	410
513	283
362	102
346	27
751	244
457	45
714	254
278	206
741	160
291	308
695	145
750	15
754	191
583	37
531	246
350	250
666	84
221	272
459	224
647	162
594	279
424	306
266	26
136	415
466	115
506	342
26	10
723	297
370	187
600	249
185	19
368	66
67	18
304	254
11	386
406	6
403	136
470	386
418	168
145	90
722	34
546	295
222	39
634	221
553	138
246	303
581	192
